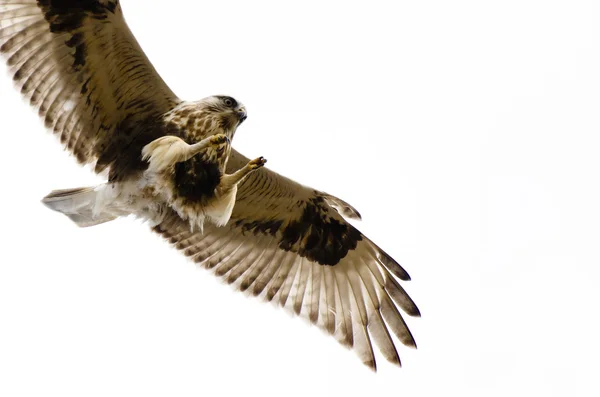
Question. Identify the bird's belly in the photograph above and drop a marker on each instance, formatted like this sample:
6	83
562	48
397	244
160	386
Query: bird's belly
195	180
194	196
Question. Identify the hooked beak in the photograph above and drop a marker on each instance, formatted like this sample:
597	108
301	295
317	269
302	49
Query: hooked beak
242	115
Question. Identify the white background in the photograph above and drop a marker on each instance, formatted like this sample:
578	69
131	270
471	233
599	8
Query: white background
466	134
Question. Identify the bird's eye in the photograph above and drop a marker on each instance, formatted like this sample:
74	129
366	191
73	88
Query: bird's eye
228	102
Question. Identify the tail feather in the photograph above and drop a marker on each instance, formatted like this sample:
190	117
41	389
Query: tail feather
79	205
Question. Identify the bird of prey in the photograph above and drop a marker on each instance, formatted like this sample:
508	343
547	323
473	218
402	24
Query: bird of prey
170	162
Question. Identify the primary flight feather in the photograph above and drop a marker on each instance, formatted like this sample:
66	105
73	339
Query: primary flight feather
170	162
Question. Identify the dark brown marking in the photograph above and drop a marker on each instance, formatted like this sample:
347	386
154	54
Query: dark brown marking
68	15
196	179
319	237
228	101
263	226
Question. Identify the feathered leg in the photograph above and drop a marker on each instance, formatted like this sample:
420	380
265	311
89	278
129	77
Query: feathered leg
231	180
167	151
220	209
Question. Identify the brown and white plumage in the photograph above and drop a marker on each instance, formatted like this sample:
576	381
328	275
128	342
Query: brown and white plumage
80	66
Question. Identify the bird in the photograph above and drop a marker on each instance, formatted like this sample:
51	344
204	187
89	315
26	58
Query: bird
170	162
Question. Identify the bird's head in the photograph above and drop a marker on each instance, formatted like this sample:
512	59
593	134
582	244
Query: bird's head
210	116
225	114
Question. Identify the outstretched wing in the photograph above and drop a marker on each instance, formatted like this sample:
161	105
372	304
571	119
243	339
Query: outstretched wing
286	242
77	62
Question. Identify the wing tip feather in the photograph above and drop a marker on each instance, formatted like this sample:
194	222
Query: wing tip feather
371	364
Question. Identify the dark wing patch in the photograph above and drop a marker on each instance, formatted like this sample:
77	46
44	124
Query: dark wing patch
79	65
319	236
316	234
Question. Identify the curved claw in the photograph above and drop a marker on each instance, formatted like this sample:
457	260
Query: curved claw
219	139
257	163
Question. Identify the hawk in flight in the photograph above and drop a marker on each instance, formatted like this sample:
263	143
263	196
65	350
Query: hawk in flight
170	162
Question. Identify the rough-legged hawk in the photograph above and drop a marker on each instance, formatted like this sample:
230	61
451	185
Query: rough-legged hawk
170	162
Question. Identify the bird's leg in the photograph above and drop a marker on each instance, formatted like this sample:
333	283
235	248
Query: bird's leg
218	141
169	150
231	180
